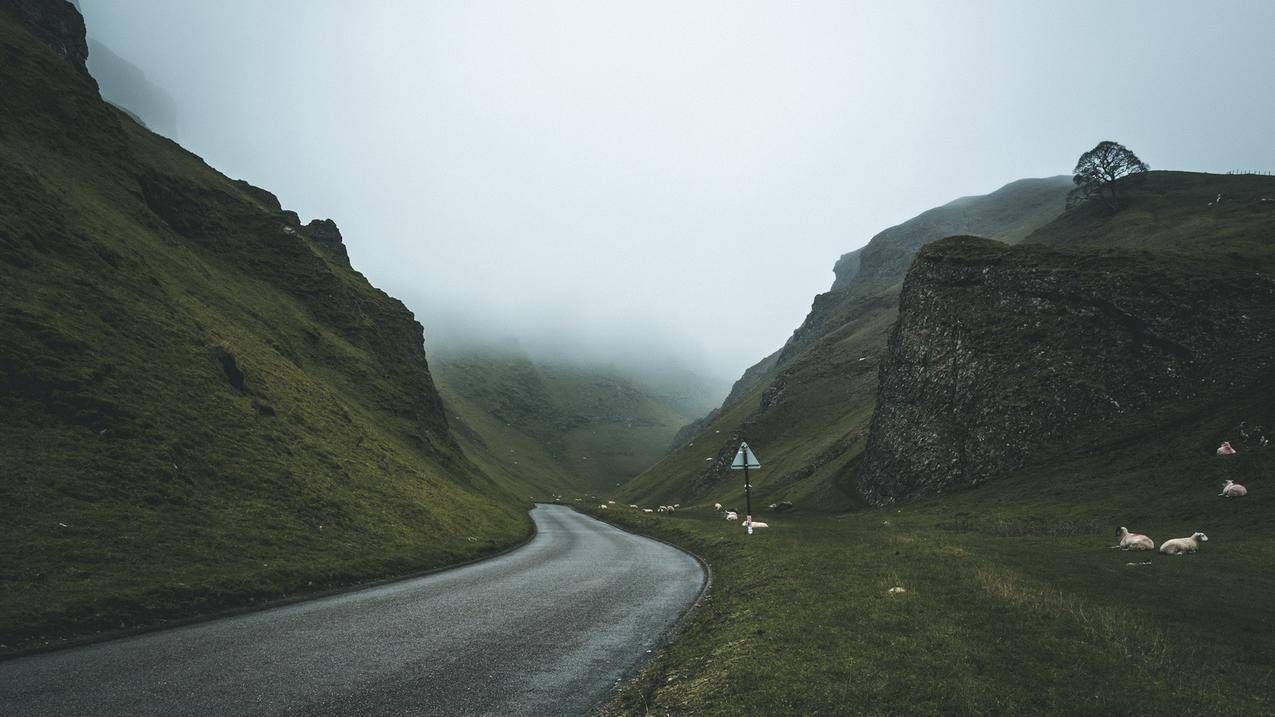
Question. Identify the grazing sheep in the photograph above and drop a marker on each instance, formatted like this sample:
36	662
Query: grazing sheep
732	515
1233	490
611	502
647	510
1182	546
632	506
717	506
603	506
1134	541
756	524
661	509
1225	449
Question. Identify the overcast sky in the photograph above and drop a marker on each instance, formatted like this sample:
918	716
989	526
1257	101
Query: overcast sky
675	177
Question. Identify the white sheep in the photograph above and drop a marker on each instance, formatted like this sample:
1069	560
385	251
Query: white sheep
1233	490
662	509
1182	546
611	502
757	524
647	510
717	506
732	515
1134	541
603	506
632	505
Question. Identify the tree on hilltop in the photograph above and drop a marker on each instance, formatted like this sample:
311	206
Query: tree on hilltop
1098	169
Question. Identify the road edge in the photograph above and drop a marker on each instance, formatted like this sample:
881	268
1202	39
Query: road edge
670	633
86	640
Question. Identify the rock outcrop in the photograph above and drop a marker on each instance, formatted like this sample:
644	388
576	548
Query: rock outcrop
1004	357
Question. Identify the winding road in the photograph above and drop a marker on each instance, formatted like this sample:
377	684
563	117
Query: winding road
547	629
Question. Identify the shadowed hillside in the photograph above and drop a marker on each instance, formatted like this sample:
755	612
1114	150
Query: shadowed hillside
203	404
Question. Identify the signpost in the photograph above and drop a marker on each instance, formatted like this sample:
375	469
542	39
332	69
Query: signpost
744	460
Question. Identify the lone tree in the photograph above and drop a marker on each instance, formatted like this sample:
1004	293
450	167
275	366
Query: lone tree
1096	173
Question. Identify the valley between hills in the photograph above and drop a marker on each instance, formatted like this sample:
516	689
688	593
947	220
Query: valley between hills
208	409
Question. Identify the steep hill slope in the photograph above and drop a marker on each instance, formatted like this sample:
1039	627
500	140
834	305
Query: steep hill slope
203	405
1154	326
806	408
562	428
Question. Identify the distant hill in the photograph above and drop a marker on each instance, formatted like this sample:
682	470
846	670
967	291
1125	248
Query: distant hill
124	85
561	428
202	404
806	408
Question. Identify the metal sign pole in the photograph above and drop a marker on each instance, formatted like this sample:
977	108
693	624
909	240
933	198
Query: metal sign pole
745	459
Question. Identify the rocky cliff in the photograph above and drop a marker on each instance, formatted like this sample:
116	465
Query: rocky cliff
806	407
1005	357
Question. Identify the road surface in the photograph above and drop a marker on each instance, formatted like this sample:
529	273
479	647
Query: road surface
546	629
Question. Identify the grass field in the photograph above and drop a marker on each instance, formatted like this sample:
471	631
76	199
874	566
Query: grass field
1014	602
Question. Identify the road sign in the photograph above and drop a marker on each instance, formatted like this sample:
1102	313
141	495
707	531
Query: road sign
744	459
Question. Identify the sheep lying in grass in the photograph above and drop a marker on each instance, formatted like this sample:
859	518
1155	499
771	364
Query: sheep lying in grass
717	506
1134	541
756	524
1233	490
732	515
1182	546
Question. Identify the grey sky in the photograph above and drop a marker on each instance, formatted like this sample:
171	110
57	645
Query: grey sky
611	178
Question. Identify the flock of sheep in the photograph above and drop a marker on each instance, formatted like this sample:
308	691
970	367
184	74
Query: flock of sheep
1128	540
728	514
1182	546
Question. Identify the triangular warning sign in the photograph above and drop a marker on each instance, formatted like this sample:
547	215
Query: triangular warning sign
745	458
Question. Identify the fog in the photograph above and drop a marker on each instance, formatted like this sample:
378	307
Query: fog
647	180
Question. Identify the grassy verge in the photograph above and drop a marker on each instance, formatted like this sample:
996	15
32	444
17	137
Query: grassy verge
1014	604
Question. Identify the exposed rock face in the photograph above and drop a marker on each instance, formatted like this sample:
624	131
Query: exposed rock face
58	25
325	233
1007	356
846	269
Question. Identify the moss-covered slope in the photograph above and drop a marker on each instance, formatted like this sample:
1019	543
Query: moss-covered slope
203	405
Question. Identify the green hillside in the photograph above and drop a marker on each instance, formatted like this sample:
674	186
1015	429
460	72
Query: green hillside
806	408
204	405
559	428
1033	399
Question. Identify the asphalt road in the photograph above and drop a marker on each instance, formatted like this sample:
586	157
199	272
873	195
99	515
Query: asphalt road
547	629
